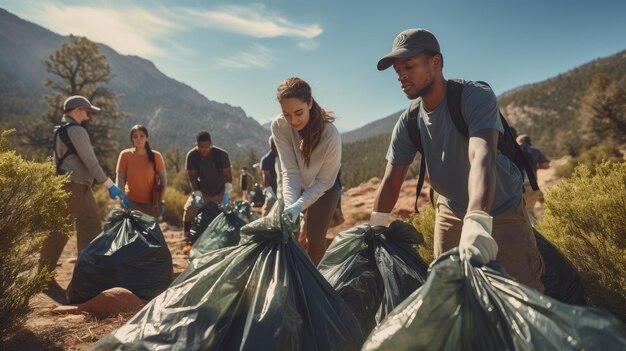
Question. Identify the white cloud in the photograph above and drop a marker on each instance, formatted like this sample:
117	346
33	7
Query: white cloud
129	31
255	21
308	45
258	57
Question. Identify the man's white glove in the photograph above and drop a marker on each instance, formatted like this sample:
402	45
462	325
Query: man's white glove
197	201
379	218
269	194
477	244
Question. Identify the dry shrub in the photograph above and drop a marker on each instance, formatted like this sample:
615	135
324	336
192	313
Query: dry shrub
585	217
32	201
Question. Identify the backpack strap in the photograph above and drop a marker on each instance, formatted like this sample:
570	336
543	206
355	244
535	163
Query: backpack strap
61	132
414	134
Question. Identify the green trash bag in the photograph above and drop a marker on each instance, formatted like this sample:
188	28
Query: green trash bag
263	294
224	230
461	307
205	216
131	253
374	269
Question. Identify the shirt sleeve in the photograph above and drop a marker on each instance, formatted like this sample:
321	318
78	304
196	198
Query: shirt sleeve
84	150
289	163
225	160
122	167
402	150
191	162
327	175
160	166
480	108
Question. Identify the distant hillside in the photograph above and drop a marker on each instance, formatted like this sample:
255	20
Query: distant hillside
549	110
172	111
380	126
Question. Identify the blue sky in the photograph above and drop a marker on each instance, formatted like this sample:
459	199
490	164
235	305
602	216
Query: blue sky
239	51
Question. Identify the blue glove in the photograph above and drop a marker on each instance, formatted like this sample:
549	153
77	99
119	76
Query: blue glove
126	203
292	213
197	201
114	192
161	209
226	199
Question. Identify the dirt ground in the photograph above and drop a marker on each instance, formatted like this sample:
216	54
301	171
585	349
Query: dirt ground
48	330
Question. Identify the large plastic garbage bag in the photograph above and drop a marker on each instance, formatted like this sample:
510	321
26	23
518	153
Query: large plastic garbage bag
130	253
205	216
263	294
224	230
560	279
461	307
374	269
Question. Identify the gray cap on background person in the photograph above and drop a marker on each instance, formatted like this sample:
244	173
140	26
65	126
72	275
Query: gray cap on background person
409	43
77	101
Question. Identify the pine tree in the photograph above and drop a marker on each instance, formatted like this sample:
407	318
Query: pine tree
604	109
79	67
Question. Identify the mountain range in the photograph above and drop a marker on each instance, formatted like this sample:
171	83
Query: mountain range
172	111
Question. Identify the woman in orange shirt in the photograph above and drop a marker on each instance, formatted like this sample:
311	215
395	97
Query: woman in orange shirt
138	170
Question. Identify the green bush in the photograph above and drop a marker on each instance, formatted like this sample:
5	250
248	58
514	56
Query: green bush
425	224
585	217
103	201
31	201
180	181
607	151
174	203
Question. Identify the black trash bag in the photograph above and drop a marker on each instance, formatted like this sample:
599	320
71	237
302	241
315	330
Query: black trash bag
130	253
224	230
560	279
461	307
205	216
257	196
374	269
263	294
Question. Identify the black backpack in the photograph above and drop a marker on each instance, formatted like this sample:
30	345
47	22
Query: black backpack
60	131
506	142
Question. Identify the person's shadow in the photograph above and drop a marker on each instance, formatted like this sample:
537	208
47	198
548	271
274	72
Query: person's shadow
56	293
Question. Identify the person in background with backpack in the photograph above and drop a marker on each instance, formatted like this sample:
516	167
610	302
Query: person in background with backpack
208	168
480	207
537	160
74	155
309	147
139	170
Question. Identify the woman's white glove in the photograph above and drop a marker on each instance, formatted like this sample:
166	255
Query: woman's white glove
379	218
476	244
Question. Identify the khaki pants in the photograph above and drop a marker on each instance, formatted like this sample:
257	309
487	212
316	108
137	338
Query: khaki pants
83	212
317	220
517	248
190	211
531	197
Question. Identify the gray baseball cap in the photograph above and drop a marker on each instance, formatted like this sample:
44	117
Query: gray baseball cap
77	101
409	43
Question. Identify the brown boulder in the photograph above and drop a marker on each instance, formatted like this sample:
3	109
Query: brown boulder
112	302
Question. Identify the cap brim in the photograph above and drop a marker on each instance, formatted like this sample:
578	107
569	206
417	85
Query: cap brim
93	108
391	57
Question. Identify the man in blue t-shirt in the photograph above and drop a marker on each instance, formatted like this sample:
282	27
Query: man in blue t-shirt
480	208
268	170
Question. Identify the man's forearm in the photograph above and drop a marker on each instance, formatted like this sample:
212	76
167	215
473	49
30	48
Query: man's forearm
389	189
